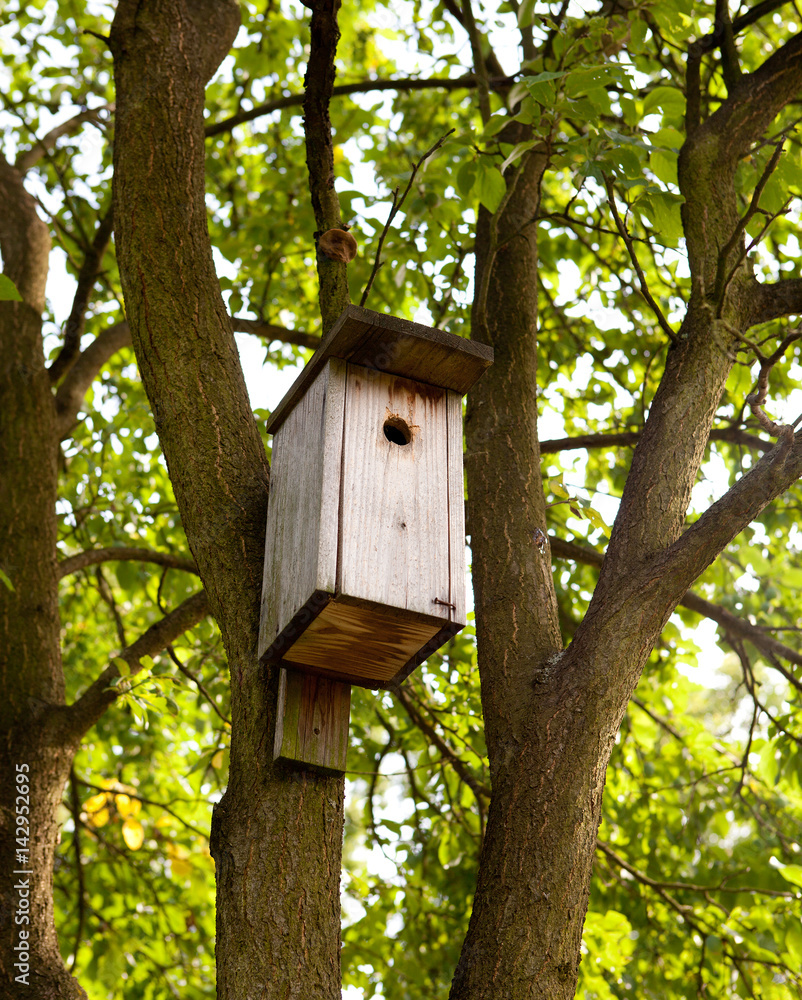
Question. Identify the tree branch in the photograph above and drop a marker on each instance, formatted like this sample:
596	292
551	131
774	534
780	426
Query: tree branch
729	622
431	734
697	547
76	383
755	101
622	229
24	238
686	886
479	68
775	300
494	67
624	439
270	331
30	157
115	553
729	54
319	82
396	208
76	321
86	711
467	82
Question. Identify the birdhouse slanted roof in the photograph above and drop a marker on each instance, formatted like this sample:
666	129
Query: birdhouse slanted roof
395	346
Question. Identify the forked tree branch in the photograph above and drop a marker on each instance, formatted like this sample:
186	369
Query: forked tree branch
755	102
729	622
689	556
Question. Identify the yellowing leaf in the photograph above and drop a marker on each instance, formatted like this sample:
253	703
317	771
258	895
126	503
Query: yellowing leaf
133	834
126	806
180	867
99	818
96	803
217	760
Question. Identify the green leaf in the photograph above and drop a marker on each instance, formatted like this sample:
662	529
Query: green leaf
526	13
664	210
793	943
495	124
792	874
669	100
664	165
490	187
517	152
5	580
8	290
122	665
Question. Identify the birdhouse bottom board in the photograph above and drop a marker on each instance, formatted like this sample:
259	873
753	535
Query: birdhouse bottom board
366	644
365	558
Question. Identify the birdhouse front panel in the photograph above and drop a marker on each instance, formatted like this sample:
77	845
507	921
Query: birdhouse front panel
394	521
371	459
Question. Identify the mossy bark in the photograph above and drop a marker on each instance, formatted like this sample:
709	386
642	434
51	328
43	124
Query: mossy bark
276	835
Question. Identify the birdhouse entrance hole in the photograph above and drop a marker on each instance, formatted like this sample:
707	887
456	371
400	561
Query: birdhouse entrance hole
396	431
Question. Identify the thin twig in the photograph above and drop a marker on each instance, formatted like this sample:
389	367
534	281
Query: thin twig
396	207
622	229
749	248
744	221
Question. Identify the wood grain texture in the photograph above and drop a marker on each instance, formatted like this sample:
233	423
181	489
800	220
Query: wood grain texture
312	721
458	576
367	644
394	505
302	514
395	346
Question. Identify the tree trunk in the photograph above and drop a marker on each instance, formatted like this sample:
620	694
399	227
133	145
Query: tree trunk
277	833
35	754
551	717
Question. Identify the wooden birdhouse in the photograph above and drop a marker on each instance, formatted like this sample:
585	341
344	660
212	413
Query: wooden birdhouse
365	549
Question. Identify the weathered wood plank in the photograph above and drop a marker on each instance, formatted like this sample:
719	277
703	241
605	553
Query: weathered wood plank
368	645
396	346
312	721
456	512
303	508
394	505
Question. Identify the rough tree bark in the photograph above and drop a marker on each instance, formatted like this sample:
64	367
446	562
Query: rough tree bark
551	716
276	835
30	661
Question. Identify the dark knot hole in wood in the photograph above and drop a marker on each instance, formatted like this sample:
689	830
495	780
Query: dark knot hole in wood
397	431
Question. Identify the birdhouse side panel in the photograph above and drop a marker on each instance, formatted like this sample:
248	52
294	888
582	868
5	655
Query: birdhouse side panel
394	521
303	507
456	512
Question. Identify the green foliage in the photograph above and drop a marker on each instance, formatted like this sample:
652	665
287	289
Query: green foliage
698	885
